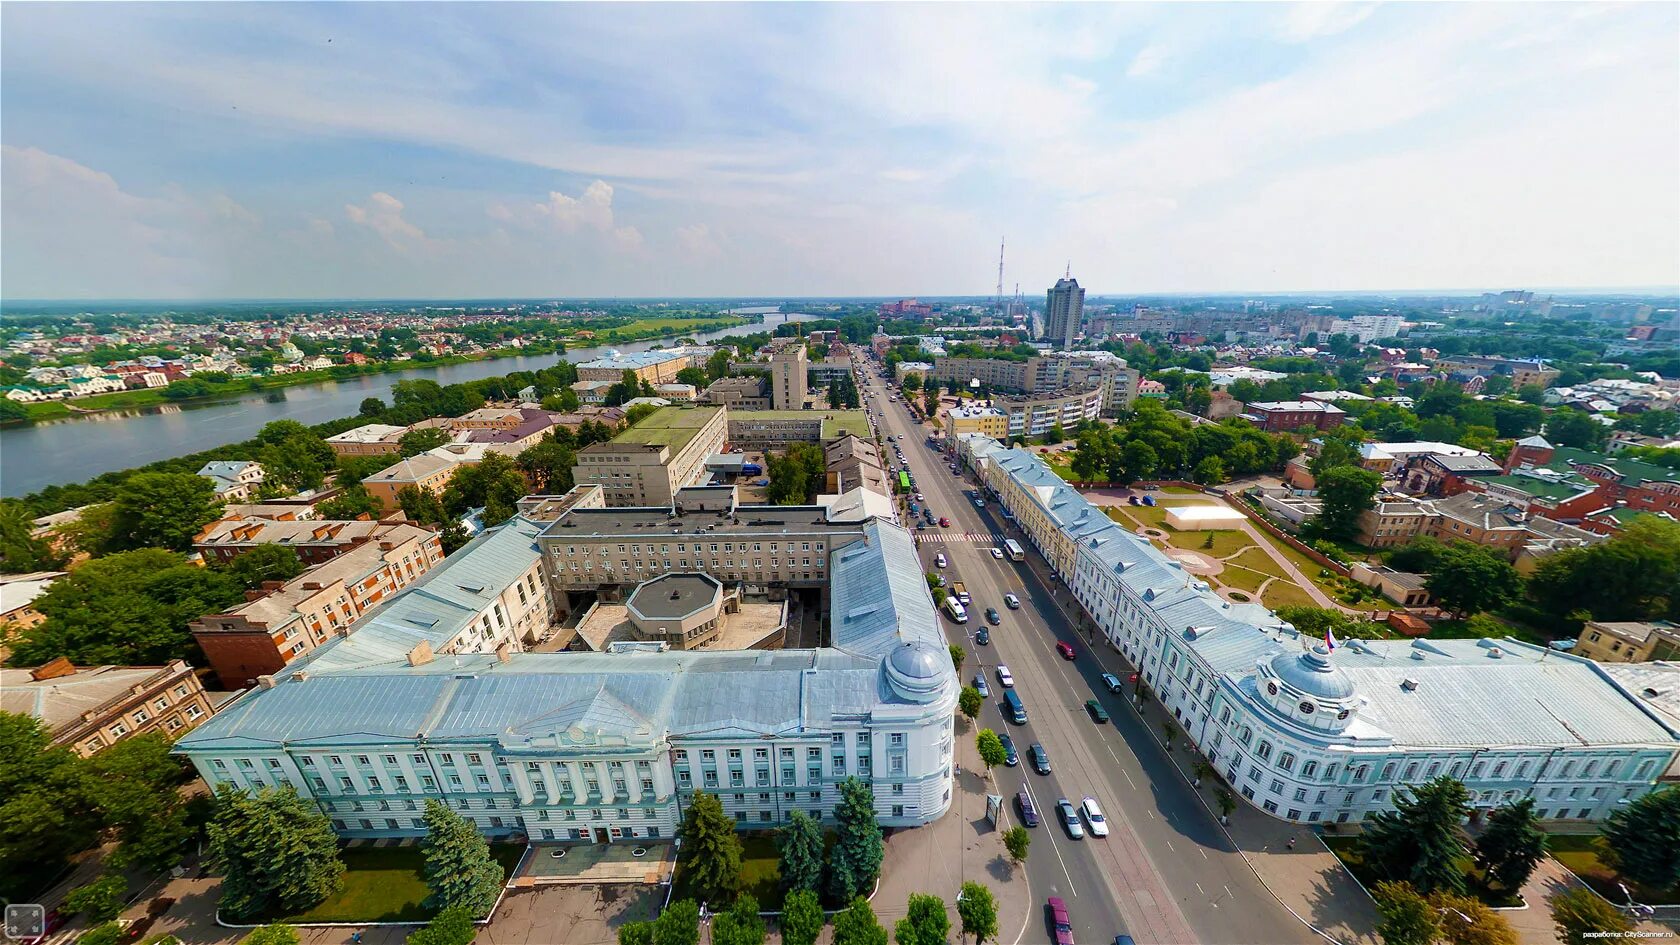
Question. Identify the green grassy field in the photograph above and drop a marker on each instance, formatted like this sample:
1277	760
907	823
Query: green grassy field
1224	542
1286	593
385	884
1256	559
1242	579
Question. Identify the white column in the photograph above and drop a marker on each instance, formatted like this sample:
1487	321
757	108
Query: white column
522	784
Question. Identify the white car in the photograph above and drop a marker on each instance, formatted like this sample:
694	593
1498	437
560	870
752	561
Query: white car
997	553
939	560
1006	679
1094	817
1012	602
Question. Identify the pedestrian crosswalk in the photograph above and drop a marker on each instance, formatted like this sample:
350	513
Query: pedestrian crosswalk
933	537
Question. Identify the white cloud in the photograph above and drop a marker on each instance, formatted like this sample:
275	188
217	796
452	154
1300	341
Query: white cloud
383	214
1315	20
589	212
1147	62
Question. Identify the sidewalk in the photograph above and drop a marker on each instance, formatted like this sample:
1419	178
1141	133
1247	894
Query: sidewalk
960	847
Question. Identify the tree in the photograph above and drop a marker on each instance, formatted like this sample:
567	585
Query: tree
978	911
162	510
1643	839
548	465
1582	917
958	654
1575	428
717	366
801	844
1137	460
1468	579
679	924
419	440
1016	840
275	933
1346	491
856	925
854	862
277	853
991	749
796	475
494	484
1420	841
926	924
46	809
694	377
264	563
1209	471
421	505
635	933
371	407
128	609
135	784
351	503
1339	447
20	551
711	850
802	918
740	925
449	927
460	872
101	900
1468	921
969	702
108	934
1511	844
1407	917
1633	576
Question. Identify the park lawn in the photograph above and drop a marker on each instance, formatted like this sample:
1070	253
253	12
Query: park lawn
761	871
1225	542
1119	514
1256	559
1152	516
1242	579
1286	593
1579	852
1347	850
385	884
1181	490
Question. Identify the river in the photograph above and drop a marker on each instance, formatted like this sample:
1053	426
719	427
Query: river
77	449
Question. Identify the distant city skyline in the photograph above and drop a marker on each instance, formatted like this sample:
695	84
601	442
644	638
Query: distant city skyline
305	151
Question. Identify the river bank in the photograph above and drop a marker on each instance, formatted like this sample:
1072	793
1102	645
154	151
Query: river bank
77	449
650	330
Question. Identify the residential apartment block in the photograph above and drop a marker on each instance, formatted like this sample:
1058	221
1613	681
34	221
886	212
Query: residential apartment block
1629	641
655	367
1313	735
286	619
314	541
1287	416
648	463
788	383
90	708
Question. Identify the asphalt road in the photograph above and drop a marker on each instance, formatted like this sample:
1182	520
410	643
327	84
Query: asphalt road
1166	873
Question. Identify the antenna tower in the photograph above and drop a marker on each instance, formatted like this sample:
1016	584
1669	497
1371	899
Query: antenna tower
1020	304
998	298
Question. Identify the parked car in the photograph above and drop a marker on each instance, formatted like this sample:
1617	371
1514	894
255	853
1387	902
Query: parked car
1039	757
1029	813
980	684
983	637
1006	679
1112	682
1012	602
1070	819
1059	923
1098	713
939	560
992	616
1094	819
1062	646
1010	758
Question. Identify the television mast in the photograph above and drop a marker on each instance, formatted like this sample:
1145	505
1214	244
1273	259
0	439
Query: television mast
997	299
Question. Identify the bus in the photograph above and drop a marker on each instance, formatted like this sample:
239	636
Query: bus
903	481
955	610
1012	548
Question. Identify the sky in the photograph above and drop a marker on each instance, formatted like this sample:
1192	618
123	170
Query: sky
275	150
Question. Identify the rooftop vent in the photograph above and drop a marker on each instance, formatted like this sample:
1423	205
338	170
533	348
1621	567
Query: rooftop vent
1495	652
1409	684
1417	654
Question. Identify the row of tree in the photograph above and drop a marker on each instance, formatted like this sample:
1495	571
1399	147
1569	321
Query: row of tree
1154	443
801	922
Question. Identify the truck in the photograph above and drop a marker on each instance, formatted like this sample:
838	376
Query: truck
751	469
955	610
961	592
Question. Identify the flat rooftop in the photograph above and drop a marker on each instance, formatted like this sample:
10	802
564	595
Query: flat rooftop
754	624
835	423
674	596
669	426
659	521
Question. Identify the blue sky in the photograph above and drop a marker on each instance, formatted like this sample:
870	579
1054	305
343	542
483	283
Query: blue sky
426	150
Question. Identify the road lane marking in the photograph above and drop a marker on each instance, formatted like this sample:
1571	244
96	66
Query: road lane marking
1051	833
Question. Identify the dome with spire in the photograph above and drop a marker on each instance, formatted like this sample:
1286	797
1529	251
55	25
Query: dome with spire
1313	674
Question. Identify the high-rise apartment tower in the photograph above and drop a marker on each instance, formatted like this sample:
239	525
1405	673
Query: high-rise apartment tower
1064	305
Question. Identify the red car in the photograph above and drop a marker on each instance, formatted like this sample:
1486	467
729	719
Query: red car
944	522
1059	921
1065	649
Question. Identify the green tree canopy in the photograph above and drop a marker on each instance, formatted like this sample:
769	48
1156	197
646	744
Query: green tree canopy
1407	918
162	510
1643	839
711	850
802	918
1346	491
277	853
1633	576
856	925
101	900
977	909
1421	841
20	551
926	923
740	924
1511	844
969	702
990	747
854	862
494	484
1016	840
797	475
450	927
1468	579
1581	917
275	933
460	872
419	440
800	841
268	562
548	465
128	609
679	924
